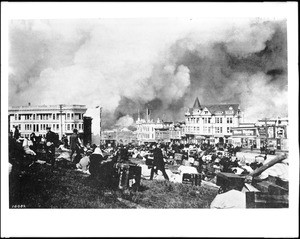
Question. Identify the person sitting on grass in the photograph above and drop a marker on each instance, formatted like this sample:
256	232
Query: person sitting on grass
26	145
95	161
84	163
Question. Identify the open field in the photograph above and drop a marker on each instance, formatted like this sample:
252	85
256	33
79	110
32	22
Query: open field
41	187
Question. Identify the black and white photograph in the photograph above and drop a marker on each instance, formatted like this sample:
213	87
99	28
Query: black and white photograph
171	122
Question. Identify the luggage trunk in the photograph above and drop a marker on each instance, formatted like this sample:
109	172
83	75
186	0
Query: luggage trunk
228	181
266	200
149	161
128	175
191	178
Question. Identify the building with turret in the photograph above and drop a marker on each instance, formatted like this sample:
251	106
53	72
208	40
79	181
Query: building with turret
211	123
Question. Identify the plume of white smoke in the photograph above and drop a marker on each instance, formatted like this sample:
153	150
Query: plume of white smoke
259	98
99	62
125	121
112	60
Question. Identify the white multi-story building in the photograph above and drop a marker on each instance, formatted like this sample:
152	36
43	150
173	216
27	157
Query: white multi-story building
146	130
211	122
61	118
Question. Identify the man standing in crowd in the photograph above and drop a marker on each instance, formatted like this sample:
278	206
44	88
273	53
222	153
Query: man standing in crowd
16	133
64	139
75	145
50	145
158	162
123	154
33	139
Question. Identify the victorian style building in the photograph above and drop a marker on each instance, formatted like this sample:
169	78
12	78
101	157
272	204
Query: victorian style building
211	123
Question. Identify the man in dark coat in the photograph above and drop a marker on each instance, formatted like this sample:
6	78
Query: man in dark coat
123	154
158	163
64	139
33	138
75	145
50	145
17	133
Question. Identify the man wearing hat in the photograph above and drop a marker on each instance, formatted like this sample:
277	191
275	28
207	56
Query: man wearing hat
158	163
75	146
50	145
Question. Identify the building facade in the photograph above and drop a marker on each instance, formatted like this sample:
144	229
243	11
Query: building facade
126	136
265	131
119	136
211	123
146	130
61	118
177	131
162	135
159	131
245	135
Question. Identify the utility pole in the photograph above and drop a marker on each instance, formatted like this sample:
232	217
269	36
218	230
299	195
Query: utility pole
267	133
100	124
147	115
61	128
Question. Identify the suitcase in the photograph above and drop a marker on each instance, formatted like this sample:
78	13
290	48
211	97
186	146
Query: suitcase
191	178
228	181
269	187
149	161
128	175
266	200
177	158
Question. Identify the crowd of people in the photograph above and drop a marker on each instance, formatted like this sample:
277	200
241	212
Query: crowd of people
207	159
24	149
98	161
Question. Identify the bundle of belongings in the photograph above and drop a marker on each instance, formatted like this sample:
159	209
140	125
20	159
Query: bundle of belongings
64	153
230	199
84	162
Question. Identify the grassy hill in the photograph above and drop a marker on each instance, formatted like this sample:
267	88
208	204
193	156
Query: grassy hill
41	187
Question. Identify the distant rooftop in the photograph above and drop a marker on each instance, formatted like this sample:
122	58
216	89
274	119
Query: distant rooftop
214	108
197	104
40	107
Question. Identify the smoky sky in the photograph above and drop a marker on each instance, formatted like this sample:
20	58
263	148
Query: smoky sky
128	65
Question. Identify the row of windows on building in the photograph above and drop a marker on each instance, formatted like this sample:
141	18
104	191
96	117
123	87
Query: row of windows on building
69	116
175	133
146	128
218	120
54	127
146	136
207	130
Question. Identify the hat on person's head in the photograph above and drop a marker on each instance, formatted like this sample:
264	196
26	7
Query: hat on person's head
97	151
89	151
